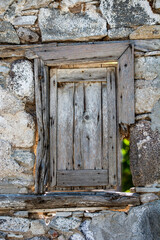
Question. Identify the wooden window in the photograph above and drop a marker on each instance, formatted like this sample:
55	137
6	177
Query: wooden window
84	101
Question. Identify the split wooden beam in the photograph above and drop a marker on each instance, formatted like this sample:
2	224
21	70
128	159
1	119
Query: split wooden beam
67	200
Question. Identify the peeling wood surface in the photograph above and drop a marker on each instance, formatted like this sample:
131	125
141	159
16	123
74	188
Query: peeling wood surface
42	113
67	200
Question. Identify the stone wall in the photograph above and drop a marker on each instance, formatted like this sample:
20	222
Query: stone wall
41	21
138	223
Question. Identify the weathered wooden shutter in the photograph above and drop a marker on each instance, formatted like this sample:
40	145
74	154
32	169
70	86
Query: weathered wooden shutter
42	113
83	127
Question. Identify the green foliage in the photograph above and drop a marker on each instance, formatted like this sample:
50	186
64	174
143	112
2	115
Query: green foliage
126	173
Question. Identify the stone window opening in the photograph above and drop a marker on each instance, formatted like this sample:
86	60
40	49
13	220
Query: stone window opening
55	61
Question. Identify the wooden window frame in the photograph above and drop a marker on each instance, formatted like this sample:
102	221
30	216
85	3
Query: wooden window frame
51	55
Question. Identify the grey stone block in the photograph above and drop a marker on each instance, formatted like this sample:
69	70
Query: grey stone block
65	224
21	81
141	223
128	13
26	35
57	26
144	154
8	33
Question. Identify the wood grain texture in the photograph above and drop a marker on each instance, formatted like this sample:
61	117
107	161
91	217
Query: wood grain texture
65	200
86	123
112	125
82	178
37	67
42	113
30	51
91	126
53	127
65	126
71	53
104	126
82	75
125	96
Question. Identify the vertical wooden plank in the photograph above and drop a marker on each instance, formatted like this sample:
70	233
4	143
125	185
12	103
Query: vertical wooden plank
111	93
119	143
65	126
104	126
39	122
119	161
42	113
91	132
78	126
53	126
125	97
45	112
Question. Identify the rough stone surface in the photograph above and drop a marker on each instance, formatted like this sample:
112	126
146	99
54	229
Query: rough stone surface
37	227
13	189
4	5
63	214
30	4
8	167
19	183
29	12
26	35
14	10
4	70
146	96
61	237
38	238
12	224
148	197
155	117
21	82
90	214
128	13
146	32
144	154
147	68
18	129
118	33
9	103
24	158
156	4
65	224
15	173
141	223
57	26
14	236
77	236
8	33
86	231
25	20
21	214
147	92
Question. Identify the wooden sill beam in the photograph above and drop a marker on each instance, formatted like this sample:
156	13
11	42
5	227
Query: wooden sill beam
67	200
